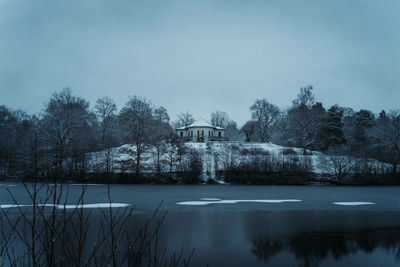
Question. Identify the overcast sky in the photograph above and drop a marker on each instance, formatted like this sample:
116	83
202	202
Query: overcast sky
201	56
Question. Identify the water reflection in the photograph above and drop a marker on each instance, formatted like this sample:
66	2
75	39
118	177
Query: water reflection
222	237
287	238
309	248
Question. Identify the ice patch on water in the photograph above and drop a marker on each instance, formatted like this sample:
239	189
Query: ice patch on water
87	184
9	206
235	201
194	203
79	206
76	184
94	206
210	199
353	203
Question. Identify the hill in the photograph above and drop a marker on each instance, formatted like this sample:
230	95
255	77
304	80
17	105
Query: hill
216	159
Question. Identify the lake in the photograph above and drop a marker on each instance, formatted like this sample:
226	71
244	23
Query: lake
262	225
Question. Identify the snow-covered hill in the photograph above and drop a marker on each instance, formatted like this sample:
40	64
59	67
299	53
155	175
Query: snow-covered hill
220	156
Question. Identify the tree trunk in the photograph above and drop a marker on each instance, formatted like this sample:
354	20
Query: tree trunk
138	155
35	158
158	159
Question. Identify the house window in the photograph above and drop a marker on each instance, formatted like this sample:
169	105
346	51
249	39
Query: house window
219	134
181	133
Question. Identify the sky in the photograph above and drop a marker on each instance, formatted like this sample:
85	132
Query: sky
201	56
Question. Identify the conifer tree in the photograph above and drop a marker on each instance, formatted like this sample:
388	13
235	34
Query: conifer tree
331	131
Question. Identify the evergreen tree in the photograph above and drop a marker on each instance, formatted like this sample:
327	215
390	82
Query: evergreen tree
364	120
331	131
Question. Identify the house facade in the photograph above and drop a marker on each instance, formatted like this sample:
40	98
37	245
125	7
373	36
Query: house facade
201	131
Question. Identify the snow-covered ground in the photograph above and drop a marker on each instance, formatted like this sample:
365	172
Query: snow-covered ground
218	156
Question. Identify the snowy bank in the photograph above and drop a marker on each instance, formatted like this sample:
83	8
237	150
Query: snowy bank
216	157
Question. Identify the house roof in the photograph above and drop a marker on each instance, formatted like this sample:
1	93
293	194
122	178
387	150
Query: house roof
200	124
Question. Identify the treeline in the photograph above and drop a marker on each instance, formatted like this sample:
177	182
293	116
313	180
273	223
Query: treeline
56	143
307	124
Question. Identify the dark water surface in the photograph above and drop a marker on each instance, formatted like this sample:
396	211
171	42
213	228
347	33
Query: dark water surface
310	232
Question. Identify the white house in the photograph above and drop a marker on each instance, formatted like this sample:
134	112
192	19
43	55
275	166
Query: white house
201	131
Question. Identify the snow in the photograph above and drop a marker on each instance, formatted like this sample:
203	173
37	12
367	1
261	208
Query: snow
204	201
79	206
213	155
353	203
200	123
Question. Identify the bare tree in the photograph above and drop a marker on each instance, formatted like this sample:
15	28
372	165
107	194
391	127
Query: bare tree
17	133
336	164
52	233
220	119
304	124
305	97
304	119
267	116
7	136
105	109
161	114
137	118
386	133
174	144
65	124
184	119
6	239
161	130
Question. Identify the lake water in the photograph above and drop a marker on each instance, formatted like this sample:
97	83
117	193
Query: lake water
263	225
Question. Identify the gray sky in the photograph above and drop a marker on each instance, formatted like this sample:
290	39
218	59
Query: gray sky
201	56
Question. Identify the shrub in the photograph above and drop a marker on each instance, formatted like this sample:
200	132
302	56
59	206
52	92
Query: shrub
46	234
289	151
